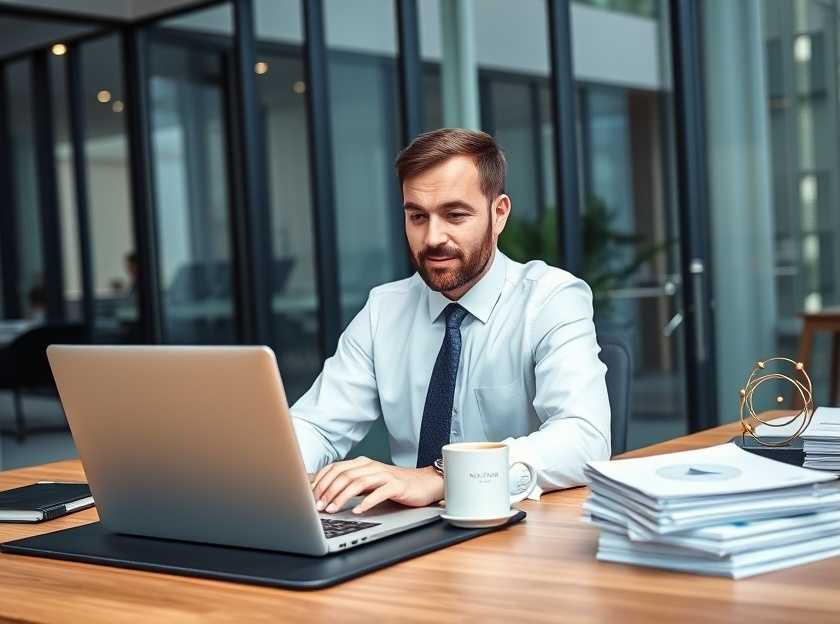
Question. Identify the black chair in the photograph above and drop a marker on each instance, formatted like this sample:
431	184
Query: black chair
616	355
24	365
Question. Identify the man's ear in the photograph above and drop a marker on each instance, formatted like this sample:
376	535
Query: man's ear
500	212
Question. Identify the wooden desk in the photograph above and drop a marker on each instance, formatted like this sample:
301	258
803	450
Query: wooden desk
543	570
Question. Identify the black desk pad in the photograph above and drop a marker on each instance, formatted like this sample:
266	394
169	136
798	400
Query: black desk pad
91	543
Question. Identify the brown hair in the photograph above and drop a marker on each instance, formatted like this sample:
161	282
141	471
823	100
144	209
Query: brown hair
433	148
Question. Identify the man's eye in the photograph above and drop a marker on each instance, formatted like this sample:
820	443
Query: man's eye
417	217
457	216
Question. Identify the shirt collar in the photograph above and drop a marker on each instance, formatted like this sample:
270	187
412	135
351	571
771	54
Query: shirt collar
481	298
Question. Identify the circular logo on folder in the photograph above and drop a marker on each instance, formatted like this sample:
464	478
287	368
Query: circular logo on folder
699	472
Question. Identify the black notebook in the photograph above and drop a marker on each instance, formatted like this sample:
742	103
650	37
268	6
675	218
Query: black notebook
43	501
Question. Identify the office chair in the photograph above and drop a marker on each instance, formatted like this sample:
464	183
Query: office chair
616	355
24	364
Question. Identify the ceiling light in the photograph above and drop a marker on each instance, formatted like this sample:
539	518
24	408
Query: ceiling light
261	67
299	87
104	96
118	106
59	49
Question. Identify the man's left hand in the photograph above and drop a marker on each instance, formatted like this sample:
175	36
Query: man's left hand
337	483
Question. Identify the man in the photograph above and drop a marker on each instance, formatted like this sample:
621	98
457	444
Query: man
473	347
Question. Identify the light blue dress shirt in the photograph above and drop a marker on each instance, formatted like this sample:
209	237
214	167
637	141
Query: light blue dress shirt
529	374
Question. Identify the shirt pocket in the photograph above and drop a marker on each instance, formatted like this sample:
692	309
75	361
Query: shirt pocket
505	410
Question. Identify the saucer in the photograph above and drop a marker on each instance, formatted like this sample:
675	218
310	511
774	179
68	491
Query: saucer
478	523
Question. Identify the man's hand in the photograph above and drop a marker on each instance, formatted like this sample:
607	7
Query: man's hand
337	483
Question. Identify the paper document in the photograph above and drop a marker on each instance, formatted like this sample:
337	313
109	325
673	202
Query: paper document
716	470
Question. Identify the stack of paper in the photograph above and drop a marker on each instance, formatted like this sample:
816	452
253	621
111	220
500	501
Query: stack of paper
718	510
822	440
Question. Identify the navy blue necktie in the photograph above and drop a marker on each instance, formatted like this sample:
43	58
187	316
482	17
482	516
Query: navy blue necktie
437	414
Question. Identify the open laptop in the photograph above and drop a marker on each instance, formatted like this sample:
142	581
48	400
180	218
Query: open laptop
197	444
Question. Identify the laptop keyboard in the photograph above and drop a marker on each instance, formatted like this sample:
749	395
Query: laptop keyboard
334	528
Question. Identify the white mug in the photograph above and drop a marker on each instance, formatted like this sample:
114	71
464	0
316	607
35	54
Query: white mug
476	480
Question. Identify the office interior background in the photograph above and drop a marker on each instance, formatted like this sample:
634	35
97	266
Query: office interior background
182	172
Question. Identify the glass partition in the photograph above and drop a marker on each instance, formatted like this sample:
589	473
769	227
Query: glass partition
773	115
364	103
113	257
31	284
190	160
281	88
66	187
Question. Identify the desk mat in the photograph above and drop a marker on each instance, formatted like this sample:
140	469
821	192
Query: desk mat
91	543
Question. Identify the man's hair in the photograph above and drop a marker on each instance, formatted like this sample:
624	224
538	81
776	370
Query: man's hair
433	148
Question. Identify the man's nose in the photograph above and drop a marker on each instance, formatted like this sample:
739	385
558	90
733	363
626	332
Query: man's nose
435	233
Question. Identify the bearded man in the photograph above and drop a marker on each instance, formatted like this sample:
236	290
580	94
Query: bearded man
473	347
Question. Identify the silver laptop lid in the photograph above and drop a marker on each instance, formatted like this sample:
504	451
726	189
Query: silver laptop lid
191	443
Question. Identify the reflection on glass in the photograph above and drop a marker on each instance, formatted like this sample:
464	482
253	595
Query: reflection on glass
644	8
30	262
71	260
109	208
191	192
773	120
294	280
631	251
515	111
364	100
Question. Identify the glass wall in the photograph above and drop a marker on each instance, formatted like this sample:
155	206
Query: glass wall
71	258
31	283
187	89
111	233
281	88
772	118
773	113
630	216
364	104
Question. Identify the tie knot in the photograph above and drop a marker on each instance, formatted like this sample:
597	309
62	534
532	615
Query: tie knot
455	315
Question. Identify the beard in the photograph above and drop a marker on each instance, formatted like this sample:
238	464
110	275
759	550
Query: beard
470	263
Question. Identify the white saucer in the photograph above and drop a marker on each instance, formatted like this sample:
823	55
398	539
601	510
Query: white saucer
478	523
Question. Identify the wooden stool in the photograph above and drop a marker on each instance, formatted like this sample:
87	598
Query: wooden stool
827	320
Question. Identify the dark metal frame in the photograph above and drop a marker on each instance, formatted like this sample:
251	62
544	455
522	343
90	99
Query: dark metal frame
252	234
8	215
569	235
692	189
410	90
44	135
409	69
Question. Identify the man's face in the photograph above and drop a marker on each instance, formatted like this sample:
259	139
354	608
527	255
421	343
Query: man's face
451	227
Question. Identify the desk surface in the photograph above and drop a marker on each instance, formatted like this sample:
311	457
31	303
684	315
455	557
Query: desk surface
542	570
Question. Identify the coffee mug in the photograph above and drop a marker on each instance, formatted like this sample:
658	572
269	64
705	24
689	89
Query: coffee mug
476	480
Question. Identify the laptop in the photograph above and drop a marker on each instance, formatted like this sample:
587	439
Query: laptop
197	444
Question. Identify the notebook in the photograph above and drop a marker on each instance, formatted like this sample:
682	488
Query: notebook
43	501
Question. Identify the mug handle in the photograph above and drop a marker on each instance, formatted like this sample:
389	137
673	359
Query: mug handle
515	498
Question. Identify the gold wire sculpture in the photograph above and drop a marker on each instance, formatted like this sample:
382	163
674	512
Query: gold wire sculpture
750	421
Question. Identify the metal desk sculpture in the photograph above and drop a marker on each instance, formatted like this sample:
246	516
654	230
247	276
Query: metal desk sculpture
786	447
